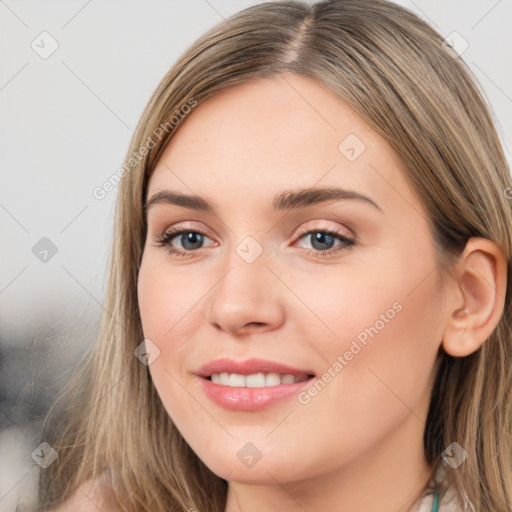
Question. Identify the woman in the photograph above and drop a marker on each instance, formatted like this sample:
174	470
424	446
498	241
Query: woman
238	368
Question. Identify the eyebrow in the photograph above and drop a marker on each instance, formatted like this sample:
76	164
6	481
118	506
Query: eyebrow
287	200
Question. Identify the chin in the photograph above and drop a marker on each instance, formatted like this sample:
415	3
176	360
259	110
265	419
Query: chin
247	465
260	474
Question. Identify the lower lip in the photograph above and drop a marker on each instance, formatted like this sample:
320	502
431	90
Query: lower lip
250	399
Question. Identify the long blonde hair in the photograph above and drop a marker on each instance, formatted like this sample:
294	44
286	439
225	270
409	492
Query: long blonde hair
391	68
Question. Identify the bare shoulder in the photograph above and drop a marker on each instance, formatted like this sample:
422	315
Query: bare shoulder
91	496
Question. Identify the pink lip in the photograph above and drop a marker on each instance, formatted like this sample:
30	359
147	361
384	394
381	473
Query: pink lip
250	399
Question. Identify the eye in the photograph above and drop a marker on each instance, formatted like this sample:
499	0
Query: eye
322	240
191	240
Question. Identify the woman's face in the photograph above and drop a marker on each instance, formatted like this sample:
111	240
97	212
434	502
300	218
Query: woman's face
344	289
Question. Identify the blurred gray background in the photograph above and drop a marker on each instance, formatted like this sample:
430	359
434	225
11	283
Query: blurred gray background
74	79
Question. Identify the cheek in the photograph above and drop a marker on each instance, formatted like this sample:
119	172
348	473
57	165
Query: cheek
378	360
388	353
170	311
167	302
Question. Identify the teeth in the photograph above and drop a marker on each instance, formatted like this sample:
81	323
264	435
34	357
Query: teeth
272	379
255	380
236	380
287	379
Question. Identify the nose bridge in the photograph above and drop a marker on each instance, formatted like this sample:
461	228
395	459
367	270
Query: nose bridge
246	293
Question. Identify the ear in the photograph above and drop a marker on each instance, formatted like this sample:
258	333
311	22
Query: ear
477	297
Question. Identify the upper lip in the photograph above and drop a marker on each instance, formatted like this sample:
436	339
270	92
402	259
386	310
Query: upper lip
249	367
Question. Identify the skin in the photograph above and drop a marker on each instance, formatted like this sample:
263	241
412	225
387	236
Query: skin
358	444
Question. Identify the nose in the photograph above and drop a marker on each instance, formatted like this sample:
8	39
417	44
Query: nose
247	298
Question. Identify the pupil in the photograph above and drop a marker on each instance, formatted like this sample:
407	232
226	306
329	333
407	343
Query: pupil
191	238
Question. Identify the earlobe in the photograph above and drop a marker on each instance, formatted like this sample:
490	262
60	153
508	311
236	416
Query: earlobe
477	297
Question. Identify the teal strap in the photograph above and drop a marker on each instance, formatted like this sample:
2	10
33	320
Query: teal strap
435	506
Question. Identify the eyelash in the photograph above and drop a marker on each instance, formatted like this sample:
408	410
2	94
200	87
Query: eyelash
167	237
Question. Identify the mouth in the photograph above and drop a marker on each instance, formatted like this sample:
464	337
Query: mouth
253	384
252	373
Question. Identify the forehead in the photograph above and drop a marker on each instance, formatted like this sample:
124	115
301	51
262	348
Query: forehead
250	141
